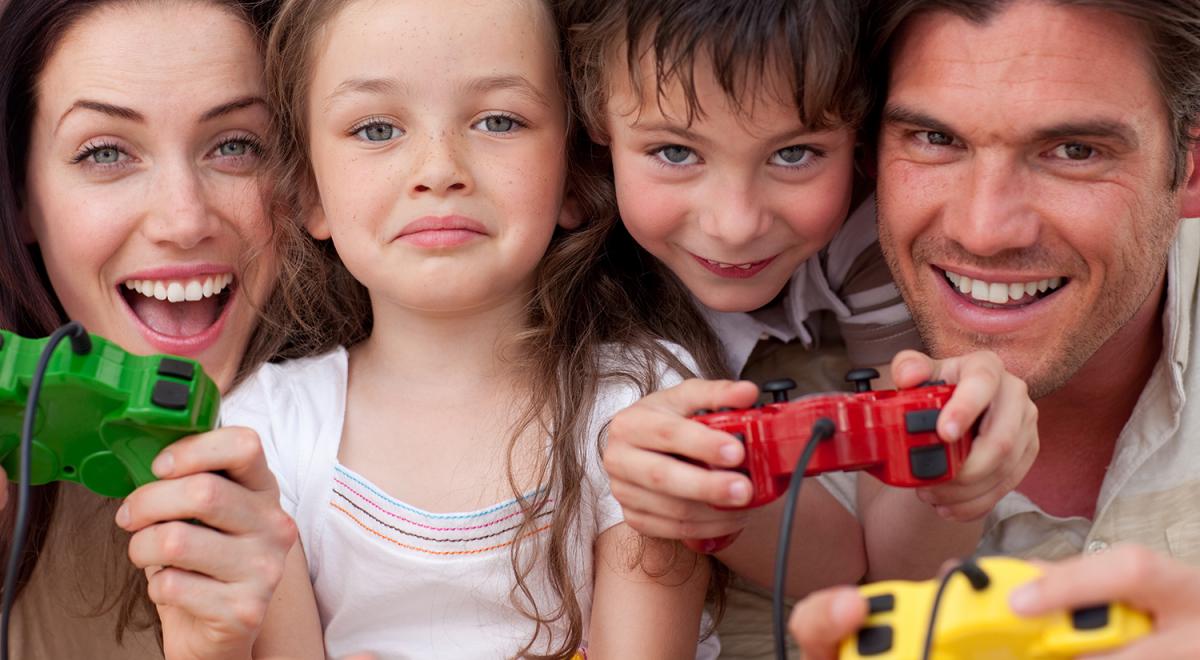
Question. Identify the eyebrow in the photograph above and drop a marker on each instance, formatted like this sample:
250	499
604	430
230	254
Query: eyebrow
516	83
1107	129
232	106
129	114
664	127
364	86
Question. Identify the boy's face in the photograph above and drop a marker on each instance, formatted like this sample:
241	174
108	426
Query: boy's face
734	201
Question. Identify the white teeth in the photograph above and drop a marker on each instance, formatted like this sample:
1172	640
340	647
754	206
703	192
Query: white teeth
722	265
999	293
745	266
181	290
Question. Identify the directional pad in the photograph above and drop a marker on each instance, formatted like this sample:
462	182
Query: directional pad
874	640
1090	618
169	394
928	462
176	369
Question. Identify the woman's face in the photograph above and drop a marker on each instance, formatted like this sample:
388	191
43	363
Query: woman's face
143	189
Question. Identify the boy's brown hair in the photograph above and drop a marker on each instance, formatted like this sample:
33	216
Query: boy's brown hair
814	43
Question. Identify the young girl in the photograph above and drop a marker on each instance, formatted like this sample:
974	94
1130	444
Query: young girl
444	469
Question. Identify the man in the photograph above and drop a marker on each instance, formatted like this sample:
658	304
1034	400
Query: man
1036	157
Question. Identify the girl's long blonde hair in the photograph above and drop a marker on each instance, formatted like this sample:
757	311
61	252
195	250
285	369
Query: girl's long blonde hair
595	289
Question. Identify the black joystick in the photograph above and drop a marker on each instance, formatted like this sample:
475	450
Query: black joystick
779	389
862	379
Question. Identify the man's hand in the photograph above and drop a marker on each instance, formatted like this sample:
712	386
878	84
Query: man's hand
821	621
1166	589
1007	441
649	446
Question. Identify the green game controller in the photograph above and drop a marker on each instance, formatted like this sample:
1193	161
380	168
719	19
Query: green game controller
103	416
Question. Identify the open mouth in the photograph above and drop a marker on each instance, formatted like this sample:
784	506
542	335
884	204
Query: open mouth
1003	295
180	309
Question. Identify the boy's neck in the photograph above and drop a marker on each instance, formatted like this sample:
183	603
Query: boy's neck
1080	423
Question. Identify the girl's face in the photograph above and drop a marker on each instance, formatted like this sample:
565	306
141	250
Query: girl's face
734	201
143	188
438	141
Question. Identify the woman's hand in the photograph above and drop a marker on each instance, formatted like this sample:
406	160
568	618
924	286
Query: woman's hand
212	582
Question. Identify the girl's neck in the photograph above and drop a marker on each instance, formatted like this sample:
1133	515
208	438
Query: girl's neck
440	352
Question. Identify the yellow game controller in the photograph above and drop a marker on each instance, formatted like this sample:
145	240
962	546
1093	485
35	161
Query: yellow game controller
974	621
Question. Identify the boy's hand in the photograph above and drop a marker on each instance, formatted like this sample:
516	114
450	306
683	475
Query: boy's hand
1007	440
1166	589
662	494
212	582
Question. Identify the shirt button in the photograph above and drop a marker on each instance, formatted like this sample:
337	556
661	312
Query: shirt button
1095	547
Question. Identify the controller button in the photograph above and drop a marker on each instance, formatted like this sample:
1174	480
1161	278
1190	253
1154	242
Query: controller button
933	383
862	379
921	421
703	411
725	409
779	389
170	395
928	462
176	369
1090	618
881	603
874	640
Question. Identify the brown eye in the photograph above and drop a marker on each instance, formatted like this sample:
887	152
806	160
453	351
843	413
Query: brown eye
939	139
1077	151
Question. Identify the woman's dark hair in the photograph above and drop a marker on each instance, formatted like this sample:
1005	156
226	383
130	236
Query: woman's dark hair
30	30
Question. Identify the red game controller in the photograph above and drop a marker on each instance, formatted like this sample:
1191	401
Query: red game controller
892	434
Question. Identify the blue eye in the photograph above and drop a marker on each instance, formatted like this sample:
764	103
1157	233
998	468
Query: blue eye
238	147
498	124
377	132
105	156
792	156
675	154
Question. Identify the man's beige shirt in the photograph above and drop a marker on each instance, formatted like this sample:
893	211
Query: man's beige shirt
1151	494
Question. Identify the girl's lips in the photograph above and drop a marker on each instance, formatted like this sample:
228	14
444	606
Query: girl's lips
733	271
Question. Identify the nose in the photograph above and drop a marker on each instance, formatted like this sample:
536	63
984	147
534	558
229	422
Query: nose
180	213
440	168
995	212
734	215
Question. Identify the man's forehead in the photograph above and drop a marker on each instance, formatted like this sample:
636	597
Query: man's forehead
1032	52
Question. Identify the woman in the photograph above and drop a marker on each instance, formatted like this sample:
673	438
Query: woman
132	200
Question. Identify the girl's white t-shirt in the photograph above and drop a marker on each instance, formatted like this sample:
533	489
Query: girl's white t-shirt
393	579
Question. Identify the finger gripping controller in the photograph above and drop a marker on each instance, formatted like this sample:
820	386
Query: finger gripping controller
102	416
974	621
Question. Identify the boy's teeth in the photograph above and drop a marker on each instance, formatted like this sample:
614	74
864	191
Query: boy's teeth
999	293
720	264
181	290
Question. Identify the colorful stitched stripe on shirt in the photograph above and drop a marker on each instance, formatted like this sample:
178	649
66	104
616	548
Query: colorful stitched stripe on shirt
411	528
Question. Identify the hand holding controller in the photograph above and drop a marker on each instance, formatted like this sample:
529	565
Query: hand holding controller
974	620
102	416
891	434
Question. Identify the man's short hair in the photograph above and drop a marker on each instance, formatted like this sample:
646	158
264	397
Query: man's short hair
815	43
1172	39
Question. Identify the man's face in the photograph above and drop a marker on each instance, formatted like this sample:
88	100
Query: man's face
1025	191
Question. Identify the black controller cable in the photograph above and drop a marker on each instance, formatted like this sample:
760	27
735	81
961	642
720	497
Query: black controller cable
81	344
822	429
979	581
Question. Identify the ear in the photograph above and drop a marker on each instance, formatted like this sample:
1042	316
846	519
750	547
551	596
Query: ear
313	213
1191	185
571	216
